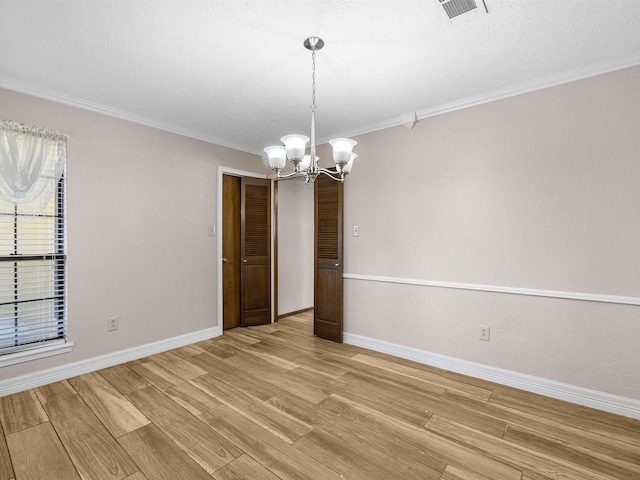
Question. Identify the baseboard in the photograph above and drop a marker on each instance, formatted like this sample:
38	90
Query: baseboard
288	314
582	396
44	377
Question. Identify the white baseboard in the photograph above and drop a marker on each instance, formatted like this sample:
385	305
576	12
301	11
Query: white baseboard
44	377
582	396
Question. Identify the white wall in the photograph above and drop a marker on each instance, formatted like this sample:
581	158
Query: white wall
538	191
295	246
139	204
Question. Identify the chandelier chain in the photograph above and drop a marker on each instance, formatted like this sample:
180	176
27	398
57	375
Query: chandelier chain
313	80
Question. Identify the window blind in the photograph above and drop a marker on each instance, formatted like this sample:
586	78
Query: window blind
33	245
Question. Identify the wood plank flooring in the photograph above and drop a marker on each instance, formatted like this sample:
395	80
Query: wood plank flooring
274	402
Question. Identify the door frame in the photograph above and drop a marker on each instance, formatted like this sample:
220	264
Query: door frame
276	232
219	291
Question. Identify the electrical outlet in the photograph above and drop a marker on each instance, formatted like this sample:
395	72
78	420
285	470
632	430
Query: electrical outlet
112	324
484	332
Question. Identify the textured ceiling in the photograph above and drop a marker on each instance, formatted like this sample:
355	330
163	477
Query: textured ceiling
236	73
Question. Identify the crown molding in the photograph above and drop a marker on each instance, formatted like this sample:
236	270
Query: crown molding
46	94
568	76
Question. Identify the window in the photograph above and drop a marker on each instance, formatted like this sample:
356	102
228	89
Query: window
32	238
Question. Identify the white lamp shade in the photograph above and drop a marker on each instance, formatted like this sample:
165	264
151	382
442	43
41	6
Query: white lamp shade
295	145
305	162
347	168
342	148
277	156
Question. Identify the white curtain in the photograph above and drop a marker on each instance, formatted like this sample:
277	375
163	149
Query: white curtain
31	163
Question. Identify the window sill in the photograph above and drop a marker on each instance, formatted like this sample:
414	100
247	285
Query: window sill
35	353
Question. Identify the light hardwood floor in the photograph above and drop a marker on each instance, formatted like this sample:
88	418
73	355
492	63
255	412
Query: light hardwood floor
274	402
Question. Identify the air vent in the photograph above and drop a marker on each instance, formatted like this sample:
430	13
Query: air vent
461	10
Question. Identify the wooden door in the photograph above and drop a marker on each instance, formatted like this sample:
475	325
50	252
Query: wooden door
327	317
255	251
230	251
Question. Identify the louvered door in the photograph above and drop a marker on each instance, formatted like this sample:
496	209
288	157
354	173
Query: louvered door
255	251
327	318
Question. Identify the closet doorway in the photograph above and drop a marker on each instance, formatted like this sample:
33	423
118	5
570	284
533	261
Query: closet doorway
293	251
309	230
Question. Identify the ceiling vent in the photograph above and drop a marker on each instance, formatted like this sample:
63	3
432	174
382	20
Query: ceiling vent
454	11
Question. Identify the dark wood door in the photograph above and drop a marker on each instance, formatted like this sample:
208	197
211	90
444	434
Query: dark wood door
327	318
230	251
255	251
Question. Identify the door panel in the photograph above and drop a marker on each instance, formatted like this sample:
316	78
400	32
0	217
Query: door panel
255	251
328	284
327	281
230	251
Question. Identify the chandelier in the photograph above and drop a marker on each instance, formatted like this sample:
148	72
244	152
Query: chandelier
295	145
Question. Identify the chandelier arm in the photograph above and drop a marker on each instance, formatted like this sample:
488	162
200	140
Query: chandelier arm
338	177
290	175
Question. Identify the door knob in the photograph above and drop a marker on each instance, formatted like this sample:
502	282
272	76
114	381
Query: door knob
244	260
337	264
224	260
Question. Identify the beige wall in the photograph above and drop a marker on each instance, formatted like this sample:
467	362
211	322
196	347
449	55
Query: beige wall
295	246
538	191
139	204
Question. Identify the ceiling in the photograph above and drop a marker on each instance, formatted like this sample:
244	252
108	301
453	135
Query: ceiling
235	72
